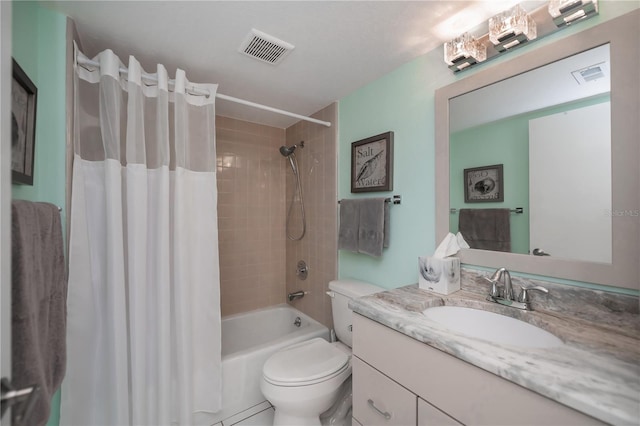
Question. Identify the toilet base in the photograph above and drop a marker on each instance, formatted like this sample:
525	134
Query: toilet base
341	411
283	419
339	414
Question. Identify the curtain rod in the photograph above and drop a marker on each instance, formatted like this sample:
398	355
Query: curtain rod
124	71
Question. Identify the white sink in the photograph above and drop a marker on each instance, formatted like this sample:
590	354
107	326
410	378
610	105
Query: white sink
492	327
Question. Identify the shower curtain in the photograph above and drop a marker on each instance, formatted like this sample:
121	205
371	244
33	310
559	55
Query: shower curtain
144	342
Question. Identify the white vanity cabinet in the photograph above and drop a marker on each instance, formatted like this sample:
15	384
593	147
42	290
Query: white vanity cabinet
398	373
428	415
381	401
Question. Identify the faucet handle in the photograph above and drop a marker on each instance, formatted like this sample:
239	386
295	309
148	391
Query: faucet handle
494	292
523	297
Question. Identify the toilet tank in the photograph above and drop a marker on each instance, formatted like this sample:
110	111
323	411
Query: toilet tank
341	292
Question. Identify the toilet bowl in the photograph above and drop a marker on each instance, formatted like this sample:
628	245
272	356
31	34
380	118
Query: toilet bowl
305	380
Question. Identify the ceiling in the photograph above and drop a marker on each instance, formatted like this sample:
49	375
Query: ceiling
550	85
339	46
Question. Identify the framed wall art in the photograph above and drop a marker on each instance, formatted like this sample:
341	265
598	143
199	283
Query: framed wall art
483	184
24	96
372	164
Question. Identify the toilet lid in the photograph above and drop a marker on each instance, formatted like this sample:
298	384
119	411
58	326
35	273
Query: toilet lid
305	363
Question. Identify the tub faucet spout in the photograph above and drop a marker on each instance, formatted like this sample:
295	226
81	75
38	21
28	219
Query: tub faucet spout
296	295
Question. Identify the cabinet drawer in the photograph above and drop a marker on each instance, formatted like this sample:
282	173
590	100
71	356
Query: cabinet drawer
428	415
378	400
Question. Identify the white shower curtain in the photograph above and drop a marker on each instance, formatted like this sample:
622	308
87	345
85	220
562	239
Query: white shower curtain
144	343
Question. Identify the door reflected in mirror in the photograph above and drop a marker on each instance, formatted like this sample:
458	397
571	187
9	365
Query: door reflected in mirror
550	129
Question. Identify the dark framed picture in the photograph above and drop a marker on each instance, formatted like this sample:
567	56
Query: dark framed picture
24	95
483	184
372	164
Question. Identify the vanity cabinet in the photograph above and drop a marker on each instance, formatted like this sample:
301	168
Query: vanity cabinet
428	415
437	388
381	401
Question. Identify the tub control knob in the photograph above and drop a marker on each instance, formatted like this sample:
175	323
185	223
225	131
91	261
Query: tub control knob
302	270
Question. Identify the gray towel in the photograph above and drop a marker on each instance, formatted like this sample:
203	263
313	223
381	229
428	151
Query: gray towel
371	228
364	226
349	222
38	303
387	225
486	229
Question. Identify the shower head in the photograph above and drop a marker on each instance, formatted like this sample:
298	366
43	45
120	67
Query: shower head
287	150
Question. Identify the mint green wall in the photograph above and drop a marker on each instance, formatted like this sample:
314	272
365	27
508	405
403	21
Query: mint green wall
39	46
403	102
504	142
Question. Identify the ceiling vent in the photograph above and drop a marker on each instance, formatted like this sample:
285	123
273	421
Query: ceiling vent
591	73
264	47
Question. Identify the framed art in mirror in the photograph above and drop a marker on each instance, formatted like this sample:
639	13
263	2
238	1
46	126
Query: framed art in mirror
372	164
23	126
484	184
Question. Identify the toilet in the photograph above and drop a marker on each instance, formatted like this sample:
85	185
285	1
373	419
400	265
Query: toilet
304	380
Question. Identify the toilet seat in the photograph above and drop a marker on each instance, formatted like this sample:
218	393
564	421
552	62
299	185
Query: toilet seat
306	363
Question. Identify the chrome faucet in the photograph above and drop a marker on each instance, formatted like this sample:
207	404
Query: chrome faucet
507	291
504	295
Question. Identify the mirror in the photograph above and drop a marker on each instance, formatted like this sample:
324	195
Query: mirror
615	265
552	164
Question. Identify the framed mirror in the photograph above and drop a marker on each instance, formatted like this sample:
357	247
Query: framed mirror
605	248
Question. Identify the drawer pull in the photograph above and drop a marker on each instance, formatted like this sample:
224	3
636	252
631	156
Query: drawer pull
382	413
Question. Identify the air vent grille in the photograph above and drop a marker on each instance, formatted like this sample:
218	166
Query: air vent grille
265	48
591	73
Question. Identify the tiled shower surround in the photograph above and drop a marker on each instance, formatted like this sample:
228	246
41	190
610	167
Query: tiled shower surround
251	215
255	183
318	248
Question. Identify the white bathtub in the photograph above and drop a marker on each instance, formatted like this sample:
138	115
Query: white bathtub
248	339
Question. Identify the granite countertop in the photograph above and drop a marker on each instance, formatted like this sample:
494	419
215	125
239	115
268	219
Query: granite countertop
596	371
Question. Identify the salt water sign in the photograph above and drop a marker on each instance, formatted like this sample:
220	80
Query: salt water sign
372	164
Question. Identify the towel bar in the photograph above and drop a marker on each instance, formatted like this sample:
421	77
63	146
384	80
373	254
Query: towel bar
396	199
517	210
26	397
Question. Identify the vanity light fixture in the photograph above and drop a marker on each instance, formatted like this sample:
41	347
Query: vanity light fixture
566	12
511	28
464	51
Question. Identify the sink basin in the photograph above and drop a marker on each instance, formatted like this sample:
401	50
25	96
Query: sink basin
492	327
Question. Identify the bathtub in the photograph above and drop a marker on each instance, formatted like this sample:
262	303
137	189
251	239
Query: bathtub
248	339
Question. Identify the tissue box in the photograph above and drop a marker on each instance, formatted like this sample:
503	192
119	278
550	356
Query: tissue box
439	275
